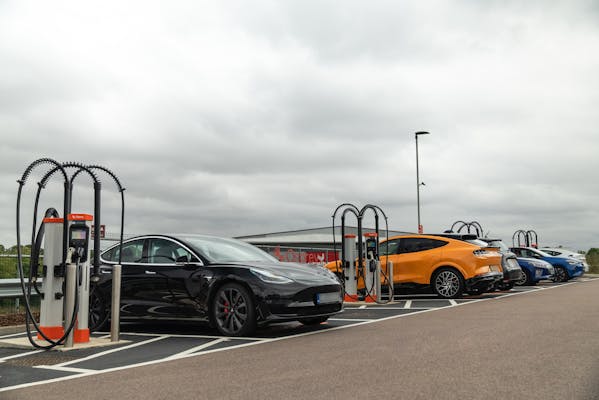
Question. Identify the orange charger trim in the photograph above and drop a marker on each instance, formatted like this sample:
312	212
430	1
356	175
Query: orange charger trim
370	299
52	332
51	220
371	234
81	336
80	217
350	298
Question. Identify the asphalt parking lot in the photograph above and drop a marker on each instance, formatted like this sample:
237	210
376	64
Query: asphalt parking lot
150	344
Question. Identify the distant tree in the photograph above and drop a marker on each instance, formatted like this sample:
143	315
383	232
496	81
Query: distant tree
593	260
24	249
2	249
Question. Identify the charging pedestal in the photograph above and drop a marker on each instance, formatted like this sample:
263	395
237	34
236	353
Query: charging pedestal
372	268
349	268
51	304
79	235
59	293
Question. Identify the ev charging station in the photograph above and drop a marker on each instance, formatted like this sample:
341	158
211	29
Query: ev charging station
474	225
364	265
56	302
525	238
67	269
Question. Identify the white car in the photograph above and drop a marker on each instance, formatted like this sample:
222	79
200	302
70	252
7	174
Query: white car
559	252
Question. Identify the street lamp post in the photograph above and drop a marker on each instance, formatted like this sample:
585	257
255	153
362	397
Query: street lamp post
418	183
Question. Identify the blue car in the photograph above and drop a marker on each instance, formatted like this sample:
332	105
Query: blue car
533	271
565	268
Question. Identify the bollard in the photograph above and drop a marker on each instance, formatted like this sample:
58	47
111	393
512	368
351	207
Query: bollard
115	309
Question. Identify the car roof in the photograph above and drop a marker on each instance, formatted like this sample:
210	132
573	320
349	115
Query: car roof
430	236
458	236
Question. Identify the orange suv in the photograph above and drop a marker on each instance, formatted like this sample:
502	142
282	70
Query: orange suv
450	266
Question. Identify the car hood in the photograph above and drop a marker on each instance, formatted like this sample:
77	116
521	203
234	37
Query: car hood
295	271
529	260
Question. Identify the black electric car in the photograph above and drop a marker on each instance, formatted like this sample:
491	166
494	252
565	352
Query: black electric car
230	284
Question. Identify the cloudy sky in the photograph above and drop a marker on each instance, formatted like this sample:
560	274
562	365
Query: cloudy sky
239	117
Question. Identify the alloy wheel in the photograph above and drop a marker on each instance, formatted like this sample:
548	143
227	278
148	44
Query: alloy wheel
232	310
447	284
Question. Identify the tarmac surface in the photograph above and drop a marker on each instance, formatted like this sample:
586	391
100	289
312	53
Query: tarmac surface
537	344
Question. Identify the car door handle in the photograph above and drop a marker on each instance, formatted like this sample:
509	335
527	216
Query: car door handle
150	272
105	271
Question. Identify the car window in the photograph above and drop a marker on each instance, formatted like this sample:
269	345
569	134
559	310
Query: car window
164	251
551	252
392	245
132	252
412	245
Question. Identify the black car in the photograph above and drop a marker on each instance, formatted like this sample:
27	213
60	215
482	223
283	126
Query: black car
230	284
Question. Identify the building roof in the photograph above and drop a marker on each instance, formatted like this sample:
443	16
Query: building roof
322	235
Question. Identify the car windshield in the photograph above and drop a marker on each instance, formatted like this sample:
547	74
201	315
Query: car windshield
222	250
498	243
542	253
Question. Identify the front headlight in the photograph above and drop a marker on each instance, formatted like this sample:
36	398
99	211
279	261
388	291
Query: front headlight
539	264
572	262
327	272
269	277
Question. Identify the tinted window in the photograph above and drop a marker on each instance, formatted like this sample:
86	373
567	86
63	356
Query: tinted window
411	245
164	251
132	252
393	245
216	249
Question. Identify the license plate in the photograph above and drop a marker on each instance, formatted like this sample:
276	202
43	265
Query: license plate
326	298
538	273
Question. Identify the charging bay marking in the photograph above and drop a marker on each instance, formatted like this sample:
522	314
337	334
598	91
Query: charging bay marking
155	343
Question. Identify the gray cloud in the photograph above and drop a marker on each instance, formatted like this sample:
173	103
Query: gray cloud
249	118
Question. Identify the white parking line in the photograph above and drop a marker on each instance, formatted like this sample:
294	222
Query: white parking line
408	304
65	369
351	319
19	355
103	353
453	302
196	348
260	341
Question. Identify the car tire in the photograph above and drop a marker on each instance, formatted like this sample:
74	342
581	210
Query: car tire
506	286
98	311
560	274
233	312
313	320
448	283
526	279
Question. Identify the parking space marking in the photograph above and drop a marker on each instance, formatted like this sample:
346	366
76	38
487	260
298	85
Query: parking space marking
20	355
453	302
197	348
213	345
103	353
64	369
351	319
408	304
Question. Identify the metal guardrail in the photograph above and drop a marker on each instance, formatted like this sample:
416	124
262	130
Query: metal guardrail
11	288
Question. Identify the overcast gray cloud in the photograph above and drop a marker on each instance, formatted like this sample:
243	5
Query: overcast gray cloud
238	118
